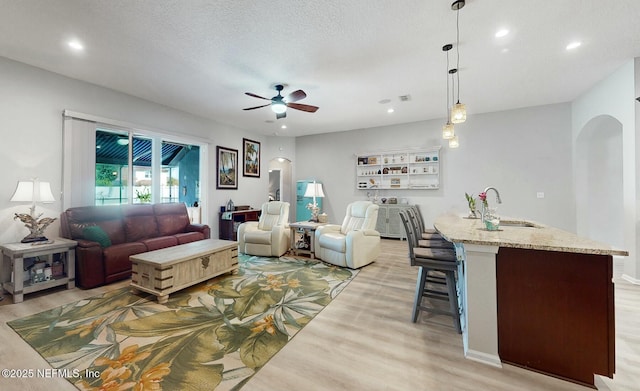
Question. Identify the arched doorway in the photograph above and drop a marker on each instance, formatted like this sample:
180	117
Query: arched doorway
599	184
280	180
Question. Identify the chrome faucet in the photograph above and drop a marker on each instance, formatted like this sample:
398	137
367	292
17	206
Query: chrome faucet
498	200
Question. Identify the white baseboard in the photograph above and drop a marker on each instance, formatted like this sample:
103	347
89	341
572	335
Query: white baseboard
632	280
484	358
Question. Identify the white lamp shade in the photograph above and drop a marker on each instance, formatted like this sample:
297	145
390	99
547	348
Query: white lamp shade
314	190
25	192
453	142
448	131
458	113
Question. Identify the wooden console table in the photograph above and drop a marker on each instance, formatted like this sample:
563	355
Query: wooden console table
230	221
13	255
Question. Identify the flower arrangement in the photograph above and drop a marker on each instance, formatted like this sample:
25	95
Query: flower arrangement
489	218
471	201
483	198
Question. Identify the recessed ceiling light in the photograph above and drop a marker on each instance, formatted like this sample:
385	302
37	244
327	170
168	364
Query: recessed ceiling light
283	127
390	110
573	45
501	33
75	45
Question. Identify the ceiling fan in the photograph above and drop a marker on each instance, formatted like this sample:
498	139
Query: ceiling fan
280	103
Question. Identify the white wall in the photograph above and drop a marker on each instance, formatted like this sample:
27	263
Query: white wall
599	181
520	152
615	97
32	102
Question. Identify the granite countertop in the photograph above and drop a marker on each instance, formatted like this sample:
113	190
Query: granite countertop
535	236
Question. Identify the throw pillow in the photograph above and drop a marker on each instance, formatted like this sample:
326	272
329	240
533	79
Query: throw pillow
96	234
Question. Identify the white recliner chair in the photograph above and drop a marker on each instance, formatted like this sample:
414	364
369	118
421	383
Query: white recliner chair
270	235
353	244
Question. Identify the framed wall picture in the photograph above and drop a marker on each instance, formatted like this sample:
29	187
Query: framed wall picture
251	157
227	176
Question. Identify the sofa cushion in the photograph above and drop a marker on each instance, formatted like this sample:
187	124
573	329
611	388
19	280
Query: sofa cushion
360	215
96	234
109	218
257	237
160	242
189	237
334	241
172	218
139	222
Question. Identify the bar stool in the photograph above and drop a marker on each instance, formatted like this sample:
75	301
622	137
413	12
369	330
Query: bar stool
437	269
426	239
425	233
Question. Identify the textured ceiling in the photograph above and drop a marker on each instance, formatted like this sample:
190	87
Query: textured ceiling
201	56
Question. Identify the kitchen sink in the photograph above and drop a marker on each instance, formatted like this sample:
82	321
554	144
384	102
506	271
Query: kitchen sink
518	223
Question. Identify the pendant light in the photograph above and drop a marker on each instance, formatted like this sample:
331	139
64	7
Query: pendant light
453	141
459	110
447	130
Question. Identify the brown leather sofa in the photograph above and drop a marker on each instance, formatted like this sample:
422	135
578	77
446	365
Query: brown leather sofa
131	229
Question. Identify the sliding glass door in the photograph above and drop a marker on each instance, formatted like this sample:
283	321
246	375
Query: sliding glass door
138	168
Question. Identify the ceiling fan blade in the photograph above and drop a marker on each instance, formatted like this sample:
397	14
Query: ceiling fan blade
307	108
281	115
257	107
295	96
256	96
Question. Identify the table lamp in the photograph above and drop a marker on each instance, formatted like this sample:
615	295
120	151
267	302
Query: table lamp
314	190
33	191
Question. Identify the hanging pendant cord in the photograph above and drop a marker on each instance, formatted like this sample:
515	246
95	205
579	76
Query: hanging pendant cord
453	85
447	102
458	50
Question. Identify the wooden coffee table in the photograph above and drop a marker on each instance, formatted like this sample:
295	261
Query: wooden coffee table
162	272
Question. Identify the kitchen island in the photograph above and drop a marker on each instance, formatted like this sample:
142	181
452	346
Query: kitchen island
535	296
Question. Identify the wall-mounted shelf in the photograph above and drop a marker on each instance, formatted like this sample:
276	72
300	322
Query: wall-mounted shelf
407	169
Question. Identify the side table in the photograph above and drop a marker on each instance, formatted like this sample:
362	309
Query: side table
307	228
13	255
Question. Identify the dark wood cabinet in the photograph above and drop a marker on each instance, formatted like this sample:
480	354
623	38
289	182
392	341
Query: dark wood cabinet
230	221
556	313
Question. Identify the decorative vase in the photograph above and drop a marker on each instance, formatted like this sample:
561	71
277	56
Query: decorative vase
491	220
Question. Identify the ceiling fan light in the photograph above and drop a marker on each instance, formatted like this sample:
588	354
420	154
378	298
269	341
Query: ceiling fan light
453	142
447	131
279	107
458	113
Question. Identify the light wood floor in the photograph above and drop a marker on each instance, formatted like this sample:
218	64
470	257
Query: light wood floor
364	340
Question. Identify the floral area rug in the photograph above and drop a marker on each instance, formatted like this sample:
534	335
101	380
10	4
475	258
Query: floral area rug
215	335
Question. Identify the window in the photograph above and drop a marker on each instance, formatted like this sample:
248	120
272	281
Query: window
121	155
